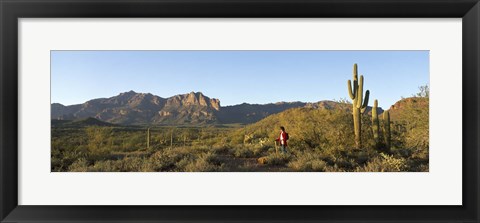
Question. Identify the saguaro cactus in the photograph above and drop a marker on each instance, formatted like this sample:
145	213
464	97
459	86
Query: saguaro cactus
375	123
171	139
244	135
386	129
356	94
148	138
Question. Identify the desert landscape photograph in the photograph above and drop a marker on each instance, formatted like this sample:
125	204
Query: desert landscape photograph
240	111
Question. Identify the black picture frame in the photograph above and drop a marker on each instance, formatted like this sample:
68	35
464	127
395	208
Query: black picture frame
12	10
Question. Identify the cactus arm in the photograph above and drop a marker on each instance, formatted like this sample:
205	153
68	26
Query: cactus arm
365	102
355	87
352	94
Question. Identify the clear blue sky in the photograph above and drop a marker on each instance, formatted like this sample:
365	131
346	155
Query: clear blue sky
235	77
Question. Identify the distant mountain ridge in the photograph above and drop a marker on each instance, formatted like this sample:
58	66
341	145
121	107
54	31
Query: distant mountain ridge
194	108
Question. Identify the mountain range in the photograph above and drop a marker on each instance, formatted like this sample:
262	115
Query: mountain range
194	108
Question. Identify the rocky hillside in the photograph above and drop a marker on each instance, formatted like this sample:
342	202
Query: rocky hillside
194	108
133	108
409	108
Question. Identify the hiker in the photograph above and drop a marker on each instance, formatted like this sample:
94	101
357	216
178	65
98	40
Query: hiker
283	140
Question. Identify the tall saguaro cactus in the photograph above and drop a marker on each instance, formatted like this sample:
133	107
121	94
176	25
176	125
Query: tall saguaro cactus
386	129
359	104
148	138
171	138
375	123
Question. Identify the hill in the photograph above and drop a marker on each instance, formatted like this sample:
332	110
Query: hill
312	127
412	115
405	107
307	127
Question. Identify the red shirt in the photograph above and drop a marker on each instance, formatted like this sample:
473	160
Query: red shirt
282	138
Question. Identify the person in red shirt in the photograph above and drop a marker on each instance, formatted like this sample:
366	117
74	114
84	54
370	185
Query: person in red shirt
283	140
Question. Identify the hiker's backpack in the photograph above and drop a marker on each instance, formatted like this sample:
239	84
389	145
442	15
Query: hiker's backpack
286	136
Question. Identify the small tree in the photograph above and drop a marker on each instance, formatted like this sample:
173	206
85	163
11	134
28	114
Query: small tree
424	91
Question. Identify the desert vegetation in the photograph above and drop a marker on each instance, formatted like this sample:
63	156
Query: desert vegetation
347	137
320	140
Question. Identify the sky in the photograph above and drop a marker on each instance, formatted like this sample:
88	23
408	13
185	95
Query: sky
235	77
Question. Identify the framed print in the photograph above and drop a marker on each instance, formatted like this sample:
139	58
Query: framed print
226	111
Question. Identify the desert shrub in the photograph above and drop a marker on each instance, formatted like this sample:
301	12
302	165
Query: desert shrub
308	162
272	150
135	164
61	159
259	149
204	162
401	152
347	164
98	138
318	165
249	150
127	164
222	149
384	163
166	160
420	168
422	154
107	166
412	123
333	153
248	167
277	159
80	165
189	159
418	130
334	168
243	152
344	159
361	157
